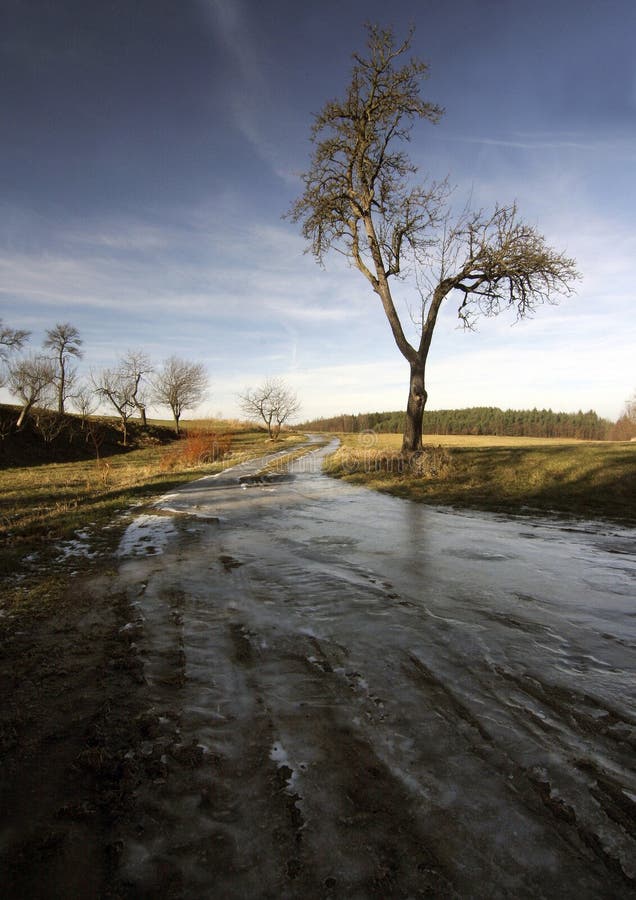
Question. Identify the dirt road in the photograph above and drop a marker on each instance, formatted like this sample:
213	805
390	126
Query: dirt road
307	689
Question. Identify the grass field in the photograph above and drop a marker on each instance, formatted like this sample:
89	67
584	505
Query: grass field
57	515
503	474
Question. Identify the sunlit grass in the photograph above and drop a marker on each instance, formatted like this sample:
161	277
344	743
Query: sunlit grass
52	500
43	506
580	478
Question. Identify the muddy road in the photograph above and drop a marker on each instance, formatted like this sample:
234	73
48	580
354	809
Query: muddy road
337	694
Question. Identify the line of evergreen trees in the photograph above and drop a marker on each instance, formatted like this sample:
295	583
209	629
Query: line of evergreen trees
478	420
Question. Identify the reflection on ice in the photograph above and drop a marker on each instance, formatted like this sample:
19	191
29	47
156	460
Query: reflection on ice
453	700
147	534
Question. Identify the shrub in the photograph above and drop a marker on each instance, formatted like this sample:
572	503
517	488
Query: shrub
197	448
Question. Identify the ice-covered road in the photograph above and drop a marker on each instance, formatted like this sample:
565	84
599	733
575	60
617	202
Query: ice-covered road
358	696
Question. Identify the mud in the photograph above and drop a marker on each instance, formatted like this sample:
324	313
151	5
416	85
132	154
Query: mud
296	688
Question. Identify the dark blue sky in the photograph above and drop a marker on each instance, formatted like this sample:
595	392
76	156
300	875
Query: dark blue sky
149	150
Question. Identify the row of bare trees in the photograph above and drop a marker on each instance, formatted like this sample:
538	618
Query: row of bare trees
50	379
134	383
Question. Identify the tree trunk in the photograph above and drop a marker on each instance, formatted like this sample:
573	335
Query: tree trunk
60	397
412	439
176	425
23	414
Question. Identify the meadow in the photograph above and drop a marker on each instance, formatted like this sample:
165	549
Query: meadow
56	516
583	479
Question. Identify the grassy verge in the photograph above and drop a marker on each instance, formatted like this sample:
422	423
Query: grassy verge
514	475
61	517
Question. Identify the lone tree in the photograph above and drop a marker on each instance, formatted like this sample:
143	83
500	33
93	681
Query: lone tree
359	199
65	342
179	385
272	403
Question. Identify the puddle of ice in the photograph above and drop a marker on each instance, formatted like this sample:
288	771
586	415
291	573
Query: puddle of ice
147	535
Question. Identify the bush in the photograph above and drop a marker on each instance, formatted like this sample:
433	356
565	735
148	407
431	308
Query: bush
197	448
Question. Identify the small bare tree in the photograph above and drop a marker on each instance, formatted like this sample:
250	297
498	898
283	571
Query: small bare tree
48	424
359	199
179	385
65	342
85	401
272	403
136	365
31	380
117	388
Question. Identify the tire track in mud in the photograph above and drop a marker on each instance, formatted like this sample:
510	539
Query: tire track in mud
582	825
356	830
317	731
616	850
240	783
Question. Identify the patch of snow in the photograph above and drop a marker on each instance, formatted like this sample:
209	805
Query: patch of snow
279	755
75	547
147	534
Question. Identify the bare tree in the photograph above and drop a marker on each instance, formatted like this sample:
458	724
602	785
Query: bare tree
359	200
272	403
48	424
65	342
179	385
10	339
85	401
136	365
116	386
31	380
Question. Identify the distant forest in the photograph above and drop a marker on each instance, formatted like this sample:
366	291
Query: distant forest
478	420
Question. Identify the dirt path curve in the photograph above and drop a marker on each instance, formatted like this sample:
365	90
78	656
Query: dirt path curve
309	690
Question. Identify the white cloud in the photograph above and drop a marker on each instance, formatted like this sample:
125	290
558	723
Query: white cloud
240	295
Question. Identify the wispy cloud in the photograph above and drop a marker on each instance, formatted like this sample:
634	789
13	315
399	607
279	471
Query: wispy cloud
613	146
248	92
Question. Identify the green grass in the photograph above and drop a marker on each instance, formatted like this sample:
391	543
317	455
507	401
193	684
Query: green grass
516	475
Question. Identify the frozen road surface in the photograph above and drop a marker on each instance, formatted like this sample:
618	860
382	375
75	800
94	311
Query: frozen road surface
357	696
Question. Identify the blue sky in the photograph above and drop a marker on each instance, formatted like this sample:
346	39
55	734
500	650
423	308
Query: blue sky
149	150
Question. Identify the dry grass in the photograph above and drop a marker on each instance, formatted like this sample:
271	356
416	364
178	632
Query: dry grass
583	479
89	504
44	504
197	447
228	426
370	439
